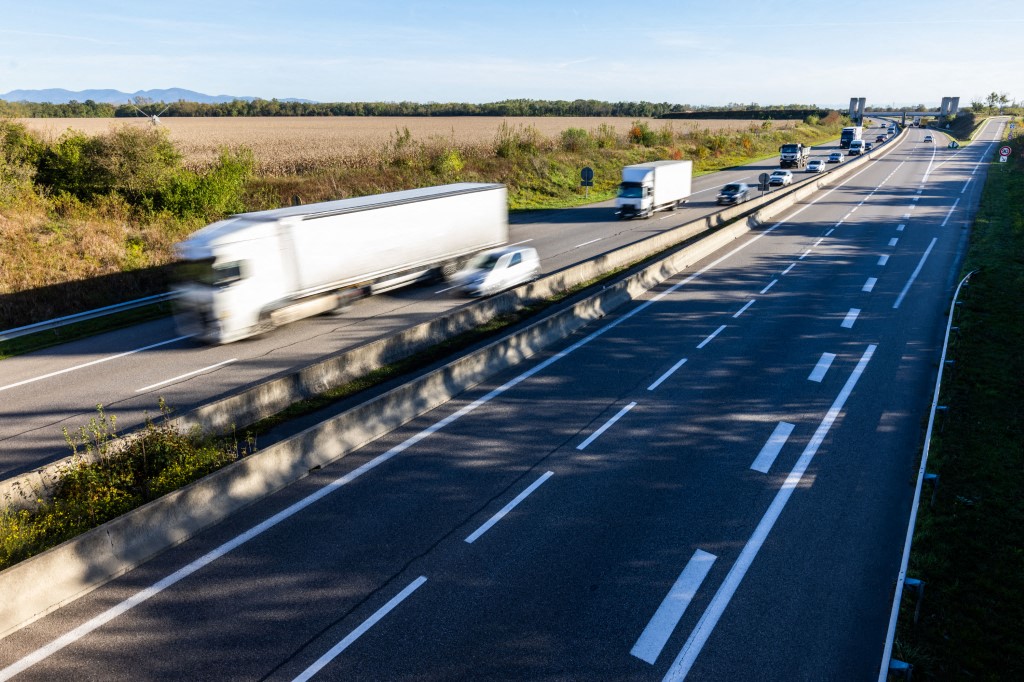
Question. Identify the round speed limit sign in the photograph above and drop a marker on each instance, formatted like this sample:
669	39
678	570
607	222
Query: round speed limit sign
1004	151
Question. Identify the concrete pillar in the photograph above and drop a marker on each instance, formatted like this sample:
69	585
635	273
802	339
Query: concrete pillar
954	105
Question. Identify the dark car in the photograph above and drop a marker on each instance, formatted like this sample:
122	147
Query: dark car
880	138
734	193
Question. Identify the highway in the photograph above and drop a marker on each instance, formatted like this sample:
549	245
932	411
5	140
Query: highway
711	483
127	371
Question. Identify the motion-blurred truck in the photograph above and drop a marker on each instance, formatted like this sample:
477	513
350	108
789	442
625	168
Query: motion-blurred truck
653	186
256	271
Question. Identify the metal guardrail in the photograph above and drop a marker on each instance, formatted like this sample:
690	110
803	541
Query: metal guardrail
888	664
47	325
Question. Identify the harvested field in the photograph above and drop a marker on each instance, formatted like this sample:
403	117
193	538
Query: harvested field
286	143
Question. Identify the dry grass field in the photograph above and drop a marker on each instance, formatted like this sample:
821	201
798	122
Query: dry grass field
287	143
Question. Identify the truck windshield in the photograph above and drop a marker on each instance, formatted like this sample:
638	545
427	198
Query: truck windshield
789	148
207	271
631	191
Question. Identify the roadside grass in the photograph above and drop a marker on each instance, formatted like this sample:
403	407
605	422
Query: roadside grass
969	547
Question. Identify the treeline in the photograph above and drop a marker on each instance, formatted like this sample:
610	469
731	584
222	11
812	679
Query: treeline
273	107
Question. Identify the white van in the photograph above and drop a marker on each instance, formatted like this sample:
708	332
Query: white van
856	147
498	270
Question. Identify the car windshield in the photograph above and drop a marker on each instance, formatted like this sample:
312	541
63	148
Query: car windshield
484	261
731	188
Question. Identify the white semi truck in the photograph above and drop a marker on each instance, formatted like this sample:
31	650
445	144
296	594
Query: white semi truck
653	186
255	271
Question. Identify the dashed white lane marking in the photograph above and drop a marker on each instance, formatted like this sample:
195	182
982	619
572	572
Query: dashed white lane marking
744	308
604	427
850	318
770	285
667	374
186	375
883	259
950	213
590	242
711	336
508	507
333	652
917	271
869	285
651	642
900	227
772	447
824	362
791	265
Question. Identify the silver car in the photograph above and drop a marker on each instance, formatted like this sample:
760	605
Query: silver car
497	270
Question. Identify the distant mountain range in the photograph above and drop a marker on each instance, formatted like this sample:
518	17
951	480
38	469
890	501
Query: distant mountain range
61	96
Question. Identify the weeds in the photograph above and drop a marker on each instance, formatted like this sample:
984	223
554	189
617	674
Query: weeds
108	477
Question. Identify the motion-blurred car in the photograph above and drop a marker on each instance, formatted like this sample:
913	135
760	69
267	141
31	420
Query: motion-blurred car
835	157
497	270
781	178
880	138
868	146
734	193
815	166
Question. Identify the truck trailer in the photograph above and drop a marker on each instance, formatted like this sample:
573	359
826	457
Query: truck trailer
850	134
653	186
256	271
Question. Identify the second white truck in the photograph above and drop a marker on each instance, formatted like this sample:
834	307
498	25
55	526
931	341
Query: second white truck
653	186
255	271
793	155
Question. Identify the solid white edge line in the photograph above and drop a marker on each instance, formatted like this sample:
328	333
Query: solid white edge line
744	308
695	642
850	318
824	362
525	241
666	375
711	336
140	597
770	285
869	285
508	507
187	374
664	621
604	427
772	447
913	275
95	362
333	652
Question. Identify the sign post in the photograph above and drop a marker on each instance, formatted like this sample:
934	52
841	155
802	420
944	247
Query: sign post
587	178
762	181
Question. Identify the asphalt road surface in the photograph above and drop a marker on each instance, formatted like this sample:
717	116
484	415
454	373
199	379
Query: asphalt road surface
127	371
711	484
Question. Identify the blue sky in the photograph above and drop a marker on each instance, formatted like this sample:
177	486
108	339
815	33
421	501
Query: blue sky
709	52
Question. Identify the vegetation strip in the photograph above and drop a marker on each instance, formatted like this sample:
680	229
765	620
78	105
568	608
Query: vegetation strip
967	548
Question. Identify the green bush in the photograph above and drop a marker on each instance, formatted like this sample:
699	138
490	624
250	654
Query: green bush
576	140
219	191
89	493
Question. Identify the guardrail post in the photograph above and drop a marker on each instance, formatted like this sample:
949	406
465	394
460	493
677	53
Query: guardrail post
899	670
934	480
917	587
